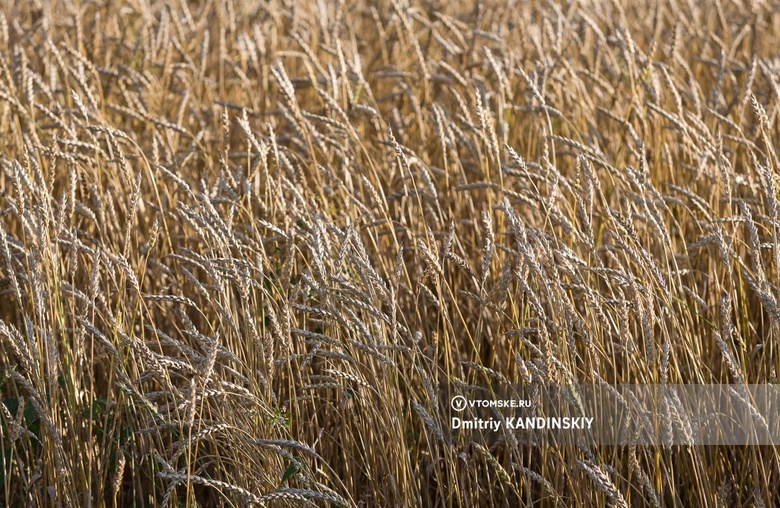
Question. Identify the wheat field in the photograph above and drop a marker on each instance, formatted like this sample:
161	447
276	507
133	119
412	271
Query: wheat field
250	250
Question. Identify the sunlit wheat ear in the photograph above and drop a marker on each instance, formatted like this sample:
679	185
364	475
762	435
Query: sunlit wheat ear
490	459
604	484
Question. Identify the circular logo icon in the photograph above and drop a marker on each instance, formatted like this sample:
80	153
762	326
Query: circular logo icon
458	403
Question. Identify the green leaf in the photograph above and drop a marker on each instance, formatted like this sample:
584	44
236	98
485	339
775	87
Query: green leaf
291	470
